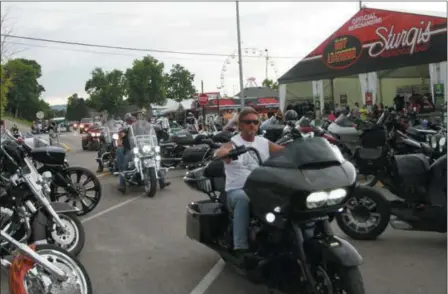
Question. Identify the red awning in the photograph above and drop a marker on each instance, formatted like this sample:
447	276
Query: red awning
374	40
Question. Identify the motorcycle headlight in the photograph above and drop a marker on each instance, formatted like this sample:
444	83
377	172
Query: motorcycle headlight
433	142
442	141
322	198
75	125
158	157
316	199
146	148
98	134
157	149
135	150
115	136
428	139
336	196
81	126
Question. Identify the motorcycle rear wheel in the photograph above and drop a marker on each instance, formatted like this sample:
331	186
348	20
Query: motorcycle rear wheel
21	283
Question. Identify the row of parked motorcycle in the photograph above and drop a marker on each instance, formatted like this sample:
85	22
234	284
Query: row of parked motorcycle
294	197
41	200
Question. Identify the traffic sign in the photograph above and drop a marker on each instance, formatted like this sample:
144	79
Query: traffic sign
40	115
203	99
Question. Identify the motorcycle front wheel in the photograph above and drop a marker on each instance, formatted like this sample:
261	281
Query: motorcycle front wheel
150	182
21	281
73	239
341	280
85	183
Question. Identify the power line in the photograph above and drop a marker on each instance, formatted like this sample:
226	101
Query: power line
106	53
134	49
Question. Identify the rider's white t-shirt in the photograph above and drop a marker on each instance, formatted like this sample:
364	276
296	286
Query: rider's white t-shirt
237	171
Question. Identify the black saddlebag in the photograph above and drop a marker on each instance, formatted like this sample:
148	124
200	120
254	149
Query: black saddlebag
370	160
206	220
412	169
195	154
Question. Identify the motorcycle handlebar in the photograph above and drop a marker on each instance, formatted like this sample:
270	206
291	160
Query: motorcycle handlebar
240	150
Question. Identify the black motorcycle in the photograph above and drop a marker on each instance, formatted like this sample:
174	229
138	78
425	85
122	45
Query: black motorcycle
292	198
420	185
75	185
26	213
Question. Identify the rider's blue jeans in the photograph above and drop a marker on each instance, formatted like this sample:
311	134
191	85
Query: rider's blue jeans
123	158
239	204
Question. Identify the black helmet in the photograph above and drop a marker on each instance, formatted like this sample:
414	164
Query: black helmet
291	115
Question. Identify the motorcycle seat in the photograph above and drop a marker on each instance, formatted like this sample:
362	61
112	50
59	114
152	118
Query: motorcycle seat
187	142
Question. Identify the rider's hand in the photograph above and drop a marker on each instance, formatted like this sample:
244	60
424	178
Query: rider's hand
223	151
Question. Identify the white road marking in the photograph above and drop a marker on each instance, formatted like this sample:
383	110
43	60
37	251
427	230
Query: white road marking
112	208
209	278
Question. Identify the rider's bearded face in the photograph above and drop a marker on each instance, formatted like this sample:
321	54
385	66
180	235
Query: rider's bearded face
249	125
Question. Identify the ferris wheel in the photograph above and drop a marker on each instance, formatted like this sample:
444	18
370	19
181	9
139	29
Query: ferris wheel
252	55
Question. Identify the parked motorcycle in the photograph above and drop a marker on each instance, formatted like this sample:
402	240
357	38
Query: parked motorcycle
109	143
420	185
293	248
27	214
145	167
43	268
71	184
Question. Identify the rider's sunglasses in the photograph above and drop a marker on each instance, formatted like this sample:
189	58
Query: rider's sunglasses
248	122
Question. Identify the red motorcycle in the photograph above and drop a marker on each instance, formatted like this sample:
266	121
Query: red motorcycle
91	141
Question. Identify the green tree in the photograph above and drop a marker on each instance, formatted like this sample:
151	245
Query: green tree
146	83
5	83
106	90
270	83
24	92
76	108
179	83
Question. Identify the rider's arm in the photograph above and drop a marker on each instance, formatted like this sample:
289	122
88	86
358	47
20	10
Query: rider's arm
223	151
275	147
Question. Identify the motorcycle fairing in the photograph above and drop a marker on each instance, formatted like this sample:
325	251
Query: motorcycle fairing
303	167
335	250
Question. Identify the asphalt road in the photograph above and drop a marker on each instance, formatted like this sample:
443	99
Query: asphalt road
138	245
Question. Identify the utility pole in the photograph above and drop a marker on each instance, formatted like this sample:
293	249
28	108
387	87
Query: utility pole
360	5
203	106
240	58
267	63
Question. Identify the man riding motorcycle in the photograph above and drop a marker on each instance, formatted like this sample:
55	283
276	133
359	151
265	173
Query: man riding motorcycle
237	172
124	154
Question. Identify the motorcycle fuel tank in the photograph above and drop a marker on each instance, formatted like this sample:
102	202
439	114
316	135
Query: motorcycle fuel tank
49	155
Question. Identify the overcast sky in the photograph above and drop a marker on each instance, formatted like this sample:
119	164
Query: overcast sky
284	28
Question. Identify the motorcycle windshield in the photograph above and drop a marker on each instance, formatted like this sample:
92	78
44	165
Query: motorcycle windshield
143	133
304	153
343	121
109	129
